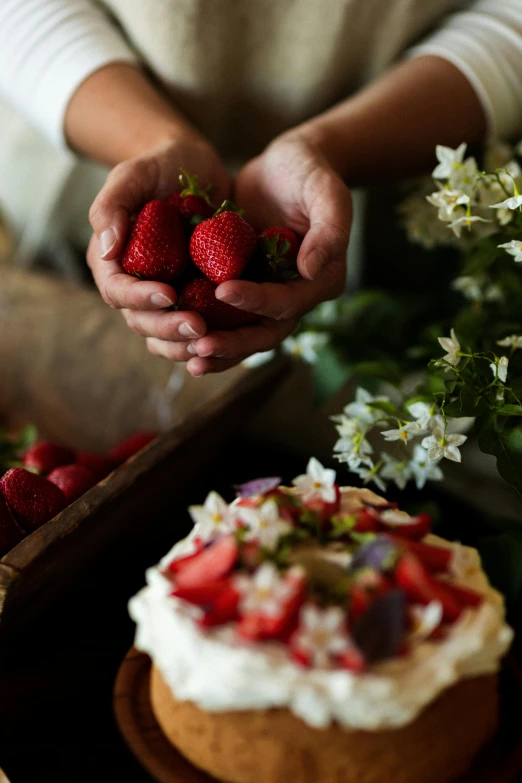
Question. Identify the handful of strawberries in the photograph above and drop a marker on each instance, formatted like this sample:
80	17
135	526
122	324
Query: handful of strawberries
186	241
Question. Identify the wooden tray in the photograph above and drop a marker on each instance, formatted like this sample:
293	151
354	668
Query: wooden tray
41	566
500	762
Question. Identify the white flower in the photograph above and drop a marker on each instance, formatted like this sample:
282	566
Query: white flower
370	473
464	176
476	288
257	359
424	620
465	221
440	445
321	634
422	412
452	346
263	523
513	341
265	591
514	248
422	224
395	470
403	432
423	469
360	408
500	369
306	345
316	483
214	518
448	159
446	200
514	202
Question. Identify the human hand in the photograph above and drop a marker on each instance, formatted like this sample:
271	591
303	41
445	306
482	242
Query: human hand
291	184
128	187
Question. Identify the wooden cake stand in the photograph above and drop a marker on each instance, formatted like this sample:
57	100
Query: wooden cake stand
499	762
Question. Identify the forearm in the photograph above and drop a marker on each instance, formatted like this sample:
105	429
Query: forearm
389	130
117	114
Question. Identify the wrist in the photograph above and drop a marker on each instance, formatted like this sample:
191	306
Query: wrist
329	141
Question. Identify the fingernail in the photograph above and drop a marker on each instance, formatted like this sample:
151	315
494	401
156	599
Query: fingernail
314	263
186	330
203	353
107	241
231	299
160	300
191	349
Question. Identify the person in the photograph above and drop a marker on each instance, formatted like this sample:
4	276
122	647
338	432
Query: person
302	99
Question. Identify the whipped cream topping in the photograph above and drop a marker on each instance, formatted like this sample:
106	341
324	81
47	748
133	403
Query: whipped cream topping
217	672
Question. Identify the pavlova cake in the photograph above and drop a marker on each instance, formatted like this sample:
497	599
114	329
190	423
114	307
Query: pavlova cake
317	634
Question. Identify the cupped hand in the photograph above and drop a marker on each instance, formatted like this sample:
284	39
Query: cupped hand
128	187
291	184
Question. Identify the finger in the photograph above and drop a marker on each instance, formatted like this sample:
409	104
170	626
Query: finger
129	185
121	290
245	340
175	352
198	367
285	300
328	203
171	326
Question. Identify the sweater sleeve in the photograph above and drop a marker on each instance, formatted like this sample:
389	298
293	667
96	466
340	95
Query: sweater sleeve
485	43
47	49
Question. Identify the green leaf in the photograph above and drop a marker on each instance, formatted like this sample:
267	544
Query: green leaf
481	257
510	410
26	437
386	371
506	446
387	407
472	402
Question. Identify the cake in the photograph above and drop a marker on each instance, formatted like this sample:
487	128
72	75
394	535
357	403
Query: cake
318	634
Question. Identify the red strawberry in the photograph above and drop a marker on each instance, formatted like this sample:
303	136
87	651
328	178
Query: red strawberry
221	246
417	527
201	595
99	465
464	595
32	498
10	531
353	660
130	446
280	247
436	559
287	241
360	601
211	564
224	608
174	200
324	509
192	206
45	456
367	521
156	249
420	587
73	480
256	626
199	295
177	565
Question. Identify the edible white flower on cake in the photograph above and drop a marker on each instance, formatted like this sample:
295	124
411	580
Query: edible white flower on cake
425	619
263	523
403	432
318	483
513	341
423	469
441	445
452	347
514	248
265	592
321	634
500	368
214	518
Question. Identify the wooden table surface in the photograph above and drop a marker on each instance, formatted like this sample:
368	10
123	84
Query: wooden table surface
56	681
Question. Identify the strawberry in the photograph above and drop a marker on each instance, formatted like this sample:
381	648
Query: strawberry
212	563
32	498
256	626
280	247
73	480
98	465
129	446
221	246
352	659
194	201
367	521
420	587
360	601
174	200
201	595
199	295
436	559
179	563
45	456
324	509
416	528
464	595
156	249
224	608
10	531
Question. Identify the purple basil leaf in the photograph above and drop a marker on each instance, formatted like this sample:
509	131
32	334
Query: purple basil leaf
380	630
379	553
257	487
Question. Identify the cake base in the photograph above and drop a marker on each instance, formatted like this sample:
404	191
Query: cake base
274	746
